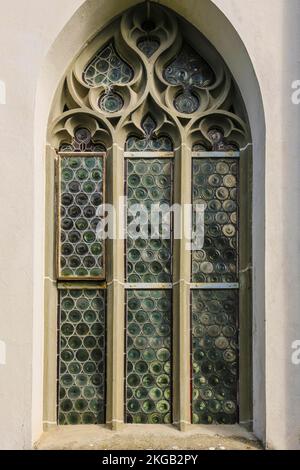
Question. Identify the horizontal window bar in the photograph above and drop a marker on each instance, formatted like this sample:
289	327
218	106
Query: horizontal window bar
215	285
148	154
81	154
216	154
144	285
148	286
81	285
193	285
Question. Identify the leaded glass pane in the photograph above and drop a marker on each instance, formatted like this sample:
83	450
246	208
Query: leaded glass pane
82	357
107	68
215	186
215	356
81	186
82	142
148	254
111	102
148	368
162	144
150	142
189	71
148	45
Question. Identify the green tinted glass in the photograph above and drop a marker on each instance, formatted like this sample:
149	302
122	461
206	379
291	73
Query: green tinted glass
215	186
148	378
107	68
81	249
161	144
149	184
148	45
186	70
215	356
150	142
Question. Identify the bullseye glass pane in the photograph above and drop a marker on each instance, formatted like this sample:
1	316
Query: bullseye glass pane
160	144
81	186
186	71
107	68
81	384
149	225
214	356
150	142
215	187
148	357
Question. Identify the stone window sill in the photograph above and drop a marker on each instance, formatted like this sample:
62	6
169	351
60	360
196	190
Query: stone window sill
147	437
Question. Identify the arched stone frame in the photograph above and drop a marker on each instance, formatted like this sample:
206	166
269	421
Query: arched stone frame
46	291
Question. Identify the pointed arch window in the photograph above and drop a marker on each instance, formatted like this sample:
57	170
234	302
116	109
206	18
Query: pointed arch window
149	116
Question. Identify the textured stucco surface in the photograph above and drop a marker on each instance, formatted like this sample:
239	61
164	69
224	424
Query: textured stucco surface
38	39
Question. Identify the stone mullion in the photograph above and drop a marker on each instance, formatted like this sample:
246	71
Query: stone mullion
50	299
181	296
115	296
245	297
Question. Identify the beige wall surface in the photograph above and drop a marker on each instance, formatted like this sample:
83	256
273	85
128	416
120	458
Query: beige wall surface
259	40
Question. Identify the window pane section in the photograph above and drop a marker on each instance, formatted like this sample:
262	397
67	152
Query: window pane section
148	357
107	68
161	144
151	142
215	186
81	192
149	187
214	356
81	357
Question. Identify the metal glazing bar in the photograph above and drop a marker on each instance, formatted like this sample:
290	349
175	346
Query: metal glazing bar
81	154
216	154
149	154
215	285
148	286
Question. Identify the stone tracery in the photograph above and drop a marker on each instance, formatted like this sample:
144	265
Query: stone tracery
161	70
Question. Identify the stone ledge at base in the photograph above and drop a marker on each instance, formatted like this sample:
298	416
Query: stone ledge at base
149	437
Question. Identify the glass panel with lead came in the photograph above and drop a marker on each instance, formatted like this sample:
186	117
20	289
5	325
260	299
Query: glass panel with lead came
148	357
81	193
149	247
215	188
81	381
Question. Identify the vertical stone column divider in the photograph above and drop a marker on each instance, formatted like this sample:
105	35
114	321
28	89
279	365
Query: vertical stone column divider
50	298
115	295
245	291
181	296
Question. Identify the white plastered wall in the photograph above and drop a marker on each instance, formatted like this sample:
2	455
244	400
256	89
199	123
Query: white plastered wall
260	43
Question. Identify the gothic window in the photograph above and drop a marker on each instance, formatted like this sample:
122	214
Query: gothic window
147	112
